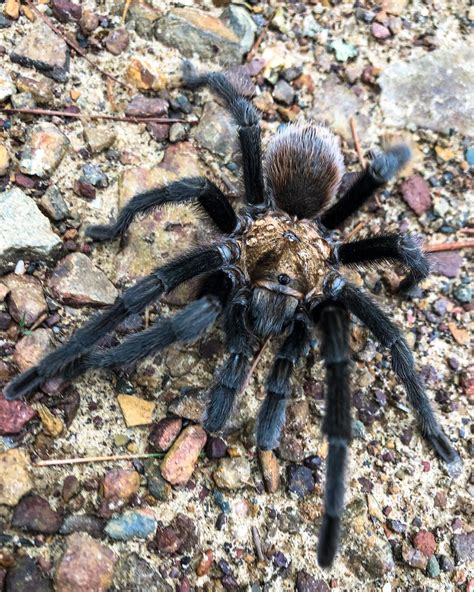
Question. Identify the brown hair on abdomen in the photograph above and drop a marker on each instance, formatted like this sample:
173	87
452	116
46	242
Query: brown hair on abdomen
304	168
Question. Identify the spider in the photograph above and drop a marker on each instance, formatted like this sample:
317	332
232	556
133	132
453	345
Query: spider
273	273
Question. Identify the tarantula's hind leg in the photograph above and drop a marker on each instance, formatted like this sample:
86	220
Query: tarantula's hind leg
190	189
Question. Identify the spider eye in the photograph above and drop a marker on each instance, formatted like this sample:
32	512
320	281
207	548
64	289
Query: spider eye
284	279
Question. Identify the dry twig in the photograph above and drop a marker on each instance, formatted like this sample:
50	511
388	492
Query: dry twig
457	246
125	10
93	459
355	137
260	38
258	544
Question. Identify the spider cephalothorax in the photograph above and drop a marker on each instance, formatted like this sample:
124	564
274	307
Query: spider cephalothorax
276	273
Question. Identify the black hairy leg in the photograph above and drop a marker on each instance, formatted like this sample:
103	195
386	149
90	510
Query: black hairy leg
392	247
199	190
135	299
403	364
271	417
333	322
384	166
248	121
231	377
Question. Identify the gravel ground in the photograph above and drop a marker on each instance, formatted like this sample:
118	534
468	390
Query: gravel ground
401	70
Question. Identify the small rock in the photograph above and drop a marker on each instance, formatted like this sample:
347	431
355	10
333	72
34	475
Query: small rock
446	263
242	24
270	470
120	484
89	21
136	411
93	175
307	583
137	524
53	205
180	536
26	576
117	41
469	154
44	50
26	302
178	132
232	473
87	523
216	131
4	160
134	574
195	31
425	542
432	569
283	92
379	31
41	90
34	514
7	88
416	193
190	405
164	433
205	563
215	447
32	348
300	480
14	415
159	131
141	106
15	478
99	137
461	336
157	486
76	281
84	189
86	565
12	9
44	150
146	74
414	557
71	487
66	11
180	460
463	546
344	51
26	232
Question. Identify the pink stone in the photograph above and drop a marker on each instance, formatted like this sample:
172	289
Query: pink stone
165	432
180	460
425	542
14	415
379	31
416	193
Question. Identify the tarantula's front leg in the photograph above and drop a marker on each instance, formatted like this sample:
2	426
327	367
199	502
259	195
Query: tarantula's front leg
64	360
398	247
190	189
272	412
380	171
403	364
247	119
333	321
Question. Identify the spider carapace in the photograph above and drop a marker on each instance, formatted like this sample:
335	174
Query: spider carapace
275	272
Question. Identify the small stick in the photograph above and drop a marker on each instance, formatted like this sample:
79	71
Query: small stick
93	459
355	231
38	322
467	231
355	137
260	38
457	246
258	544
125	10
49	112
255	362
74	46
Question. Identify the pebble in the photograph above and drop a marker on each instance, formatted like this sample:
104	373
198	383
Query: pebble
15	477
4	160
270	470
138	524
93	175
87	523
45	147
26	302
158	131
26	232
165	432
305	582
205	563
44	50
141	106
447	263
27	576
300	480
193	31
216	131
145	73
379	31
14	415
12	9
432	569
7	88
468	155
99	137
157	486
343	51
414	557
65	11
425	542
120	484
283	92
232	473
86	565
71	487
53	205
136	411
76	281
34	514
240	21
180	460
463	546
117	41
215	447
180	536
134	574
178	132
41	89
32	348
431	105
463	294
416	193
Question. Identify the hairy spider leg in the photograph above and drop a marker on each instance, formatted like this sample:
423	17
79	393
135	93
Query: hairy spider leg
271	417
333	321
403	364
134	300
385	166
248	121
200	190
390	247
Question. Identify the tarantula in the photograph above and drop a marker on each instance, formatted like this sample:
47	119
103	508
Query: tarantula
273	273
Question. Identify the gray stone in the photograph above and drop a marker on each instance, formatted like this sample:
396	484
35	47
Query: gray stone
44	150
44	50
134	574
239	20
195	31
283	92
216	131
25	233
53	205
433	92
7	88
